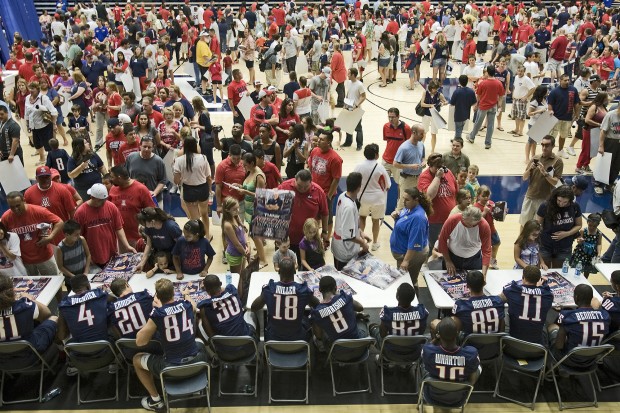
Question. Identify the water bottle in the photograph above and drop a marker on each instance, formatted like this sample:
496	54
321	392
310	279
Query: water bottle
578	270
565	267
51	394
228	277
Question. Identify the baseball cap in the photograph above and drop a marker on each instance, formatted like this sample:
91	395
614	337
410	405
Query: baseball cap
98	191
595	78
124	118
327	70
43	171
113	122
581	182
257	82
204	33
264	93
272	89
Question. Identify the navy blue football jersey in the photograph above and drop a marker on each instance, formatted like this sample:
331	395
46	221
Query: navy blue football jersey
455	365
337	318
527	310
225	313
404	321
175	325
86	315
130	313
612	305
479	315
585	327
17	322
286	303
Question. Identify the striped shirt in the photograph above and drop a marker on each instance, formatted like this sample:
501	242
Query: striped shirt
73	256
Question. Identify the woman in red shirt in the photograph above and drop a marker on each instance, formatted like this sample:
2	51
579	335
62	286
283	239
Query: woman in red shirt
606	65
287	118
114	100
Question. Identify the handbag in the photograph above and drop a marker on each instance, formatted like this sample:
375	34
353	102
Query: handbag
610	219
419	110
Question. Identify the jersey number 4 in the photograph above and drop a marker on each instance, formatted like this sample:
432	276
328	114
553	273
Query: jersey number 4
173	330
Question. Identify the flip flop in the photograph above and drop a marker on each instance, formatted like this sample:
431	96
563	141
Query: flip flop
499	128
261	266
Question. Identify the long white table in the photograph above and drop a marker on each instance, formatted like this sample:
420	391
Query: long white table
365	294
49	292
496	280
607	269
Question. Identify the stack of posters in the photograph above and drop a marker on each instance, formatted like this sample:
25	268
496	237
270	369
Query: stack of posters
314	277
34	287
454	285
372	271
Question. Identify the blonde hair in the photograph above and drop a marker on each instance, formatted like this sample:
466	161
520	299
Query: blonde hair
78	76
167	111
112	86
227	216
441	39
474	169
312	224
186	132
178	105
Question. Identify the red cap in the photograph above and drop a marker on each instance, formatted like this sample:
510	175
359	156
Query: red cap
55	173
43	171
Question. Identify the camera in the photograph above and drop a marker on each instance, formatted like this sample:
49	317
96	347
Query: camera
535	162
217	128
444	169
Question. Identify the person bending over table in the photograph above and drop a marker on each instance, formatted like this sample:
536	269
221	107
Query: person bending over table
465	242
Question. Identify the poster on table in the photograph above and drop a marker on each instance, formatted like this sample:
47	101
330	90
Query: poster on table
542	126
272	213
314	277
454	285
561	288
192	288
348	120
121	266
13	176
372	271
34	287
600	172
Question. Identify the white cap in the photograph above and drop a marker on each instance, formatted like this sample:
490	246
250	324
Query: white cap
124	118
272	89
98	191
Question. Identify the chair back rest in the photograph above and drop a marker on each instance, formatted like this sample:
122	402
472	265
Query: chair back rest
446	393
185	371
91	355
347	350
488	345
233	348
287	346
127	347
585	358
402	348
613	339
18	355
522	350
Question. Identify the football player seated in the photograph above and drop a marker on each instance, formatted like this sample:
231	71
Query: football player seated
222	313
528	305
402	320
611	302
443	359
286	302
174	323
479	314
18	316
336	317
584	326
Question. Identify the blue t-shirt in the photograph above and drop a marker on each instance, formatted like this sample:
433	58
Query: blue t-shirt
337	318
165	238
585	45
79	122
101	33
192	254
290	88
527	310
286	303
18	321
408	153
563	101
59	160
225	313
130	313
479	315
410	231
585	327
89	176
612	305
86	315
175	325
92	72
564	221
463	99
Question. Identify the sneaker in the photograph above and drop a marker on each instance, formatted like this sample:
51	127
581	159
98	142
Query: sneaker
375	246
598	190
571	151
470	140
487	146
224	260
149	404
493	264
580	171
587	170
72	371
562	154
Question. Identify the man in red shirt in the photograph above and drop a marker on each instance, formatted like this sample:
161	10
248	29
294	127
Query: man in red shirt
147	107
113	141
395	133
392	26
523	33
129	196
53	196
12	63
556	55
280	17
74	193
26	70
469	49
130	146
581	32
228	172
309	202
237	88
489	91
36	227
326	167
102	226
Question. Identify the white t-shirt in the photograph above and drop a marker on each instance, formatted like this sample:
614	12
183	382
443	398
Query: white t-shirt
378	185
355	91
532	69
522	85
346	227
483	30
199	173
303	97
472	72
16	267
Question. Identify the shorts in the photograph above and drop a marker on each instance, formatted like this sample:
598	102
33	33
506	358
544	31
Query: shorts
216	82
196	193
156	363
528	209
249	64
234	260
184	48
501	104
554	65
481	47
41	137
411	74
519	109
427	121
203	71
562	129
384	62
361	63
375	211
495	238
439	62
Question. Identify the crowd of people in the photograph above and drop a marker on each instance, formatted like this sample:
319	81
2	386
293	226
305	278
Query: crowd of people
103	76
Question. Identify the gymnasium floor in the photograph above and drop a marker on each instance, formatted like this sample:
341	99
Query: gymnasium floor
501	167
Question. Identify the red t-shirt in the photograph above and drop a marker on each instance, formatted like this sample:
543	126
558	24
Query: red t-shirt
469	49
99	226
227	172
524	32
488	217
26	71
394	137
392	27
114	99
129	202
236	90
127	148
280	15
489	91
445	200
358	52
325	167
57	199
604	72
13	64
272	175
285	123
25	226
155	117
113	144
311	204
559	47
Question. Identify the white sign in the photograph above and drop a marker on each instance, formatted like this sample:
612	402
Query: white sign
348	120
542	126
602	167
13	176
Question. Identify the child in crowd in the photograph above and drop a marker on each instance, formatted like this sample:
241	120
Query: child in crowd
527	247
72	254
78	124
188	254
284	252
58	159
324	58
233	232
216	80
461	179
472	177
311	249
588	246
463	200
106	180
228	63
484	204
162	264
330	126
